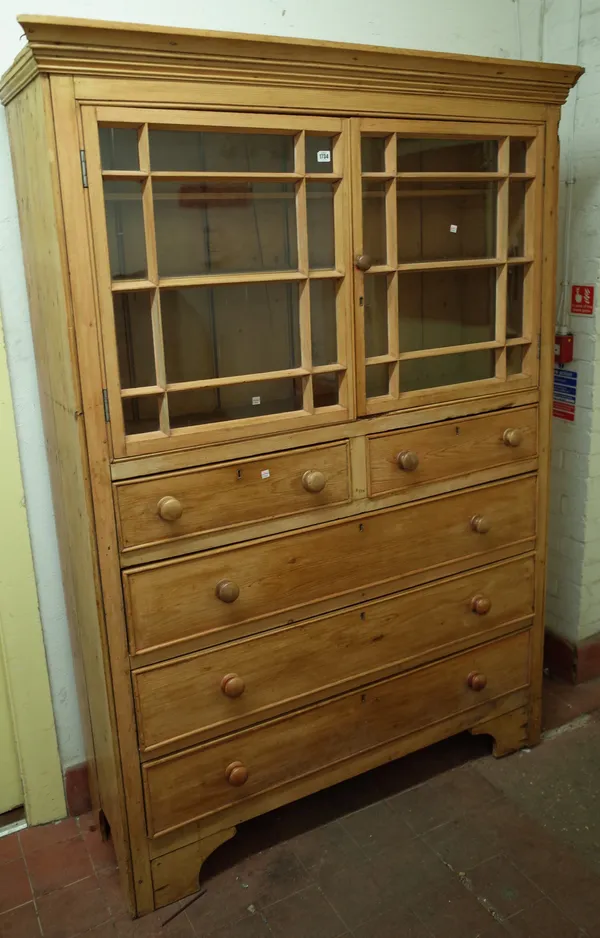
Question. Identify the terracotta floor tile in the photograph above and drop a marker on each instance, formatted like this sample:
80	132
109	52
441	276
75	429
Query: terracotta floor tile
351	889
376	826
10	848
58	865
254	926
110	884
325	844
307	914
47	835
465	841
14	885
443	798
73	909
393	924
20	923
542	920
152	926
453	912
501	884
102	852
403	876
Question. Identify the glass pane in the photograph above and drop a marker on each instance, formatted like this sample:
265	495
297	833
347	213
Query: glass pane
378	380
325	390
518	156
135	346
323	322
514	302
516	219
438	308
514	359
119	148
233	329
373	154
447	156
140	414
446	221
319	220
217	152
191	408
319	154
228	227
419	373
376	323
125	230
374	231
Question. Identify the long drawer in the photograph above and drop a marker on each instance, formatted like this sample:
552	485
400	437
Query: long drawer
210	778
213	498
405	459
282	579
233	685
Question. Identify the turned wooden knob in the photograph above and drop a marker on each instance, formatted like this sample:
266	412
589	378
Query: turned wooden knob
233	685
363	262
313	480
481	604
476	681
480	524
512	437
227	591
169	508
236	774
407	460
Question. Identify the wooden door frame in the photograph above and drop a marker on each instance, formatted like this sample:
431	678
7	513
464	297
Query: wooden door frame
21	635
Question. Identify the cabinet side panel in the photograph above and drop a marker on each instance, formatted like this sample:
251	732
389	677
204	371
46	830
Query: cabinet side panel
29	119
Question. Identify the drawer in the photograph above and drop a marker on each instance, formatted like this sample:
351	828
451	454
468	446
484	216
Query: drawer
407	458
224	688
213	498
207	779
227	592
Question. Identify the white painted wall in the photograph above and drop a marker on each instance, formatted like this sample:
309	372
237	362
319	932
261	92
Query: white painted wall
507	28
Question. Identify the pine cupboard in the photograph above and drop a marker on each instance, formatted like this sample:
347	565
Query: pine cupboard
293	310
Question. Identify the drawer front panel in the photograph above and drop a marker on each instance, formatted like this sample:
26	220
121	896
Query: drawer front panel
450	449
233	685
242	492
210	778
179	600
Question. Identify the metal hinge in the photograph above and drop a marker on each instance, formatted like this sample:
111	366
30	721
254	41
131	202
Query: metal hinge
106	407
83	162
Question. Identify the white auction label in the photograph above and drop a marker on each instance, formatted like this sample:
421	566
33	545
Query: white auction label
323	156
256	400
265	474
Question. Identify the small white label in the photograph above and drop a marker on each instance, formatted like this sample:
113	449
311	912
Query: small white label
255	400
323	156
265	474
453	229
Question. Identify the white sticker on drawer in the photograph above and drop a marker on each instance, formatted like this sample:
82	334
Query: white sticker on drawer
256	400
265	474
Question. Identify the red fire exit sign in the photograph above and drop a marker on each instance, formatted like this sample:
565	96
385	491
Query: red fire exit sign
582	300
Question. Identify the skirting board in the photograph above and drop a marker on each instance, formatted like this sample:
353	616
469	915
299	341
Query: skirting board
576	662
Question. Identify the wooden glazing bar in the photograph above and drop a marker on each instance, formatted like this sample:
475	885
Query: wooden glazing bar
215	280
450	265
173	176
353	169
532	288
381	360
323	177
150	391
519	260
456	129
448	350
518	341
327	369
523	176
379	177
502	215
450	177
124	174
306	346
130	286
325	273
238	379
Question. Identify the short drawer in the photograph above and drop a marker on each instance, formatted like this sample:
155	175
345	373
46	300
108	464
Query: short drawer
227	592
211	778
408	458
213	498
222	689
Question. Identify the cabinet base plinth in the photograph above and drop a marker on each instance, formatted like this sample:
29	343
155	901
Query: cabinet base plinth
509	731
178	874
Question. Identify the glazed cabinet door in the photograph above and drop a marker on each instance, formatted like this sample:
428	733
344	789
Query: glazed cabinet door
222	246
447	231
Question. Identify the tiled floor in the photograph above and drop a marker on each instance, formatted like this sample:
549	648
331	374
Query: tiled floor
446	843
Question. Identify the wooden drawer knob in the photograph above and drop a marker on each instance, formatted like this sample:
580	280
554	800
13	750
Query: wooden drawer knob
476	681
169	508
236	774
363	262
481	605
480	524
512	437
227	591
313	480
233	685
407	460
